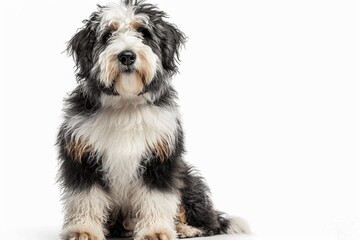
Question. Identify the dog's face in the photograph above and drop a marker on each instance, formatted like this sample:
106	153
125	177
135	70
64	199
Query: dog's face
125	48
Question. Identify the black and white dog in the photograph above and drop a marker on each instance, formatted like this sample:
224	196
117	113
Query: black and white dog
121	143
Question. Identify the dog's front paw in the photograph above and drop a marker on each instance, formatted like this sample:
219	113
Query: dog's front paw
81	234
157	235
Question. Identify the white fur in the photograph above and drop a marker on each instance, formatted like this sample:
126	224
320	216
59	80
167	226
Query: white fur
128	40
116	12
238	226
124	38
86	212
121	14
122	132
155	213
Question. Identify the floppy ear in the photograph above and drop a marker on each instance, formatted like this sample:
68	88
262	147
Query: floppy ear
80	47
171	41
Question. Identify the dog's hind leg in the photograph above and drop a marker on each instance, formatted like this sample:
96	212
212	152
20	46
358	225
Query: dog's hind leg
200	213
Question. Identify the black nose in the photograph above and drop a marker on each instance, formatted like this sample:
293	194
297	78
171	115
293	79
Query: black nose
127	58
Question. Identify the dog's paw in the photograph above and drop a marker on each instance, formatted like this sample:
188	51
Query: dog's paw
186	231
81	236
157	235
83	232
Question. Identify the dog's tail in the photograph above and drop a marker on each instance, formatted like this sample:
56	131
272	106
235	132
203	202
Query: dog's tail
233	225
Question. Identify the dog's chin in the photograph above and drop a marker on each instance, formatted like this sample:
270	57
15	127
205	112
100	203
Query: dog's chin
129	82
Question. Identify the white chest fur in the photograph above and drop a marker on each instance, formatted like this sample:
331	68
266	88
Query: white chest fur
123	136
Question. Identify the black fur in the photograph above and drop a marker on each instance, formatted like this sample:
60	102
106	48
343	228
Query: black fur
78	174
81	103
85	48
165	175
116	228
81	47
167	99
175	174
165	41
168	35
199	208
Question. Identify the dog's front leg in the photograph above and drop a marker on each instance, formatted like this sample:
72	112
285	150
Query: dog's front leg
85	214
156	212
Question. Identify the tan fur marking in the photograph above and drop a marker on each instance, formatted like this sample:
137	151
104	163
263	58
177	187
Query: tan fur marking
112	69
78	149
117	84
140	83
135	24
133	86
181	215
114	26
186	231
182	228
162	150
145	71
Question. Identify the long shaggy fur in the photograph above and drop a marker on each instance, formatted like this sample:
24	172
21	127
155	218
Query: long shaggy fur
121	144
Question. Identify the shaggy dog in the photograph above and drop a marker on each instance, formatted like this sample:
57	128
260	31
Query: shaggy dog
121	143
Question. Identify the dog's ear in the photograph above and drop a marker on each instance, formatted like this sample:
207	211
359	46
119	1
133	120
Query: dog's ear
81	46
172	39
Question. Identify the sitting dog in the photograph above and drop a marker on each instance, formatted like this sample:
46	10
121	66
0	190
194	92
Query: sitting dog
121	144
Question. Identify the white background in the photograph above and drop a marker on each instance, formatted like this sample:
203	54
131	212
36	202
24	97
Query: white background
268	96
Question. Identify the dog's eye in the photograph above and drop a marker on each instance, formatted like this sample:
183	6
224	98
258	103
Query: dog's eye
105	38
144	32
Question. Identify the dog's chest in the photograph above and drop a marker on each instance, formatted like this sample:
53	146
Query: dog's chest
123	137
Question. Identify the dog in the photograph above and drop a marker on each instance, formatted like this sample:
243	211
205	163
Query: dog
121	143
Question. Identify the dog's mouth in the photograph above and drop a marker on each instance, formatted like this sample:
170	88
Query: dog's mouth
128	80
127	69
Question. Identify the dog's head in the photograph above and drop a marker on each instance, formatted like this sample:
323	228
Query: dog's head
126	49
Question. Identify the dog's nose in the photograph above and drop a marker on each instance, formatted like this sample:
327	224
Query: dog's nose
127	58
